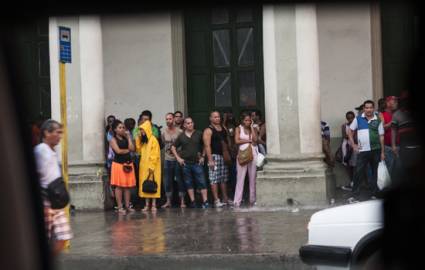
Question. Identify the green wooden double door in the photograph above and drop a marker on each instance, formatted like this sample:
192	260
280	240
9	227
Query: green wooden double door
400	41
30	42
223	61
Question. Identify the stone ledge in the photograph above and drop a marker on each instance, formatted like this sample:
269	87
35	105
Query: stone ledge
304	178
86	191
299	157
309	189
308	163
86	163
79	168
288	176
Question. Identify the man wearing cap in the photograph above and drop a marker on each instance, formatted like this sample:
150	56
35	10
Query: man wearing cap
391	105
359	109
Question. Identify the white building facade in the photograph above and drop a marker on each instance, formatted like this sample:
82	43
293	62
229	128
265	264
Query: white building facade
318	61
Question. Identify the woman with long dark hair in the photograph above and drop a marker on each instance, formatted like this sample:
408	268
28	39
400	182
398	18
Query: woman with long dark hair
122	169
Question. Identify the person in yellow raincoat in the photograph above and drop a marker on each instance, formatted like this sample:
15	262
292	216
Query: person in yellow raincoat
150	161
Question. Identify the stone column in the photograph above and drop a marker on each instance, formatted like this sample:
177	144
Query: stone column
295	169
85	106
86	175
179	67
92	95
375	33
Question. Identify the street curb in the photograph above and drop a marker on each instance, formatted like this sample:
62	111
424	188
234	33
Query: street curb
184	261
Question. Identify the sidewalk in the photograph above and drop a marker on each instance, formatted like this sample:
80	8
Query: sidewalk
188	238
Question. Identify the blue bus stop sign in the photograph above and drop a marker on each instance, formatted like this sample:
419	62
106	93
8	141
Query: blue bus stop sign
64	44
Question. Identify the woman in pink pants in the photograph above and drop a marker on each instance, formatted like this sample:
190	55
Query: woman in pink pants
245	136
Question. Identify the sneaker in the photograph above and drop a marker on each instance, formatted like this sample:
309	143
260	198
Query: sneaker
347	188
352	200
192	205
218	204
205	205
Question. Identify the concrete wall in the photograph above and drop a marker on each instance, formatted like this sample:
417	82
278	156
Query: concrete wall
138	65
73	84
345	60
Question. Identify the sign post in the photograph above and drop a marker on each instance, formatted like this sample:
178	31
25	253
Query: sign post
64	57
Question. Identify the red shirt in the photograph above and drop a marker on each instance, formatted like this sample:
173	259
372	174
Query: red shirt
35	132
388	117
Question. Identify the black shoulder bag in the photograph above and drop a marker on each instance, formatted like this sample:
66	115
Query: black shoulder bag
57	194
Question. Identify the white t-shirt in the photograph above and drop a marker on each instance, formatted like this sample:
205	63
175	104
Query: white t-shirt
48	165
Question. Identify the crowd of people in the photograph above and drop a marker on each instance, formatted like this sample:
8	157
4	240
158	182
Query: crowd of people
134	161
215	163
387	134
220	157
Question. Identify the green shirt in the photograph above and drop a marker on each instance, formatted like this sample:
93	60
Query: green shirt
136	132
155	131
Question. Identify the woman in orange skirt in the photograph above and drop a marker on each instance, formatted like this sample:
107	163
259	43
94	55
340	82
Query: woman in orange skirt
122	169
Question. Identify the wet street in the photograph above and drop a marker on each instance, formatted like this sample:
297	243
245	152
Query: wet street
182	238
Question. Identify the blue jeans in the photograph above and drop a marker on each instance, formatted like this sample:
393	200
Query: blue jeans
389	159
194	172
172	172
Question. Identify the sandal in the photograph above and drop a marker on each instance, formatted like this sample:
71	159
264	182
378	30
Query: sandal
145	209
153	209
166	206
122	211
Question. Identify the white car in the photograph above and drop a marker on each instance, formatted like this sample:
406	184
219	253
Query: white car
344	236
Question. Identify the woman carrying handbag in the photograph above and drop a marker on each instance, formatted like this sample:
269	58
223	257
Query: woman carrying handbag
150	166
122	169
246	139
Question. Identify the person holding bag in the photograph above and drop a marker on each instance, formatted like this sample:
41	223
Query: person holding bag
122	169
55	195
150	166
246	139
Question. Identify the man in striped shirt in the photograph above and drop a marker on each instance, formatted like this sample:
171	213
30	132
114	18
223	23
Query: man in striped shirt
370	136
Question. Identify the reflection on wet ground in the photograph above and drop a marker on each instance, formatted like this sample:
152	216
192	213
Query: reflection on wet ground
189	232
